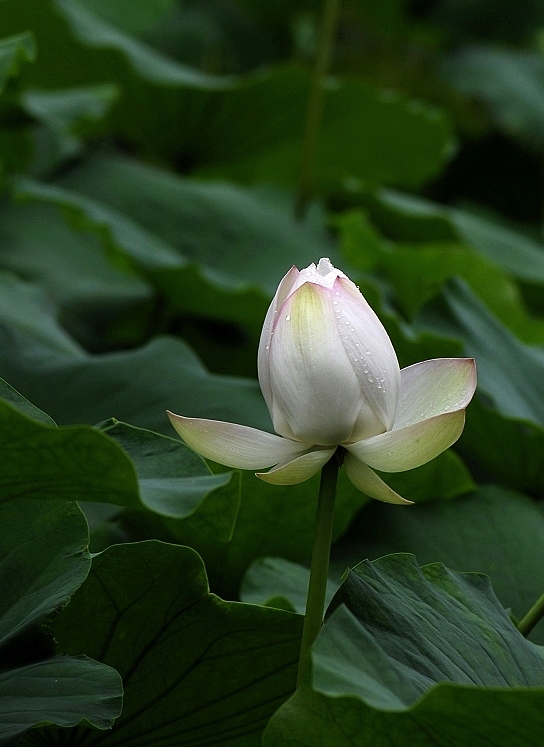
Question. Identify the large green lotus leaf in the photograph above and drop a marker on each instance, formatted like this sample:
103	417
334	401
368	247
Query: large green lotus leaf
70	265
27	310
79	462
94	32
249	235
217	252
521	440
494	531
73	462
67	117
213	249
196	669
366	135
416	655
510	372
104	52
78	48
510	82
44	558
13	52
417	271
173	110
135	386
172	479
63	691
134	19
410	218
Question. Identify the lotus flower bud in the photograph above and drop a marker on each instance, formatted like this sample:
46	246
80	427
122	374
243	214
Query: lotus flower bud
327	368
330	378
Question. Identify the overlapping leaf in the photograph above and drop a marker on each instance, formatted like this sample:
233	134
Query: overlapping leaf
493	531
43	560
416	655
195	668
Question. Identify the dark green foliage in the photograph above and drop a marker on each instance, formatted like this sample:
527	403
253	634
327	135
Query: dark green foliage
150	156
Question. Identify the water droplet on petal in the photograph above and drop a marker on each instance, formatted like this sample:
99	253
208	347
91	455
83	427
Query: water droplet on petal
288	318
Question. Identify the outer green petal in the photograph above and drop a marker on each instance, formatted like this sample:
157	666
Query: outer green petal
433	387
368	482
409	447
235	445
299	469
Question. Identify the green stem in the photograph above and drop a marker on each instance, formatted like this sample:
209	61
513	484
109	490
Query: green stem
535	614
319	572
315	103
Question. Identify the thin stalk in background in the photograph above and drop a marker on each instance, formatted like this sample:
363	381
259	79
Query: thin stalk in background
530	620
319	572
327	35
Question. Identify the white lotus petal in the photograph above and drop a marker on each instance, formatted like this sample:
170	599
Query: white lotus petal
284	288
433	387
409	447
368	481
235	445
369	350
311	376
299	469
367	423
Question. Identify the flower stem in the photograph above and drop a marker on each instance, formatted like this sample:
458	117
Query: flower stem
319	572
535	614
315	103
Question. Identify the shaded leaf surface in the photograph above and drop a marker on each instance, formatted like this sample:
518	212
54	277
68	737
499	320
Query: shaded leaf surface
43	560
493	531
414	656
135	386
510	82
63	691
195	668
172	479
509	371
74	463
13	52
273	581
